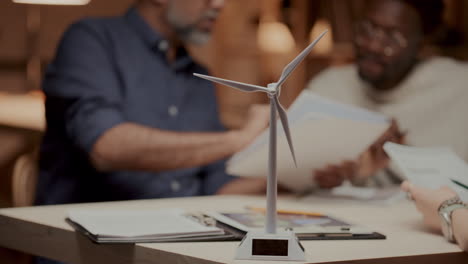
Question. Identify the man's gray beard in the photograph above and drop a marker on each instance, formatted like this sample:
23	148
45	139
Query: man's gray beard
193	36
189	33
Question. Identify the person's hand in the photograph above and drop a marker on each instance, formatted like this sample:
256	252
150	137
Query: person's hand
257	120
249	186
334	175
428	201
375	158
371	161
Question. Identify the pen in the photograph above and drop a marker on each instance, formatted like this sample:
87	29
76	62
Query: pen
460	184
263	210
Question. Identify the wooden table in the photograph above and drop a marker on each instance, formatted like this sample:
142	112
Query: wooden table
23	111
22	123
43	231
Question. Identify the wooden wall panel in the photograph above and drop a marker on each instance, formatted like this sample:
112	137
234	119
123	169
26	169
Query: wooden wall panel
233	52
56	19
13	81
12	46
12	32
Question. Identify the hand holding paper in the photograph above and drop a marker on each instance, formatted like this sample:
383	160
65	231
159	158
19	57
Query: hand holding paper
326	132
430	168
428	202
368	163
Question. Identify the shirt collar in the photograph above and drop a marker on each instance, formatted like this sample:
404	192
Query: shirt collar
155	41
420	77
149	36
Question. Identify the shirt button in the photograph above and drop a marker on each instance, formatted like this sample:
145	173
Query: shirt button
173	110
163	45
175	186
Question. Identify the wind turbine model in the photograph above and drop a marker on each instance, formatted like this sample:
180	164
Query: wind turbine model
271	245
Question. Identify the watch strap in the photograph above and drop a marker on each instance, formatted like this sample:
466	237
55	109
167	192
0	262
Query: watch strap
445	211
449	202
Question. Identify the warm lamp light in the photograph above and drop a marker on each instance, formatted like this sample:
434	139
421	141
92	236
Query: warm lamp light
33	26
326	43
53	2
275	37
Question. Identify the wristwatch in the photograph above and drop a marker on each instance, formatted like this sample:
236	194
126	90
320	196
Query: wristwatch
445	212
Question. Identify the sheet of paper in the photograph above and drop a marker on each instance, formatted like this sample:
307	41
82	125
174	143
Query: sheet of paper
132	223
347	192
308	102
301	224
430	167
248	221
323	132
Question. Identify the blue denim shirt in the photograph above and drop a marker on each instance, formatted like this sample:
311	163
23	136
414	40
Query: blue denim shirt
113	70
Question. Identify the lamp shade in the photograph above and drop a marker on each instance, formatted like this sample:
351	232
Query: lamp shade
275	37
326	43
53	2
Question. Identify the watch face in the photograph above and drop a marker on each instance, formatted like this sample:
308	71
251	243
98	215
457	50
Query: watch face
445	216
446	223
444	226
445	213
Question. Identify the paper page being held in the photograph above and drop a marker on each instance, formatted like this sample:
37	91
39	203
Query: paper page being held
324	132
431	167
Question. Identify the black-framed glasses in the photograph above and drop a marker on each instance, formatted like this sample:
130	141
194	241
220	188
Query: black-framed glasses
390	39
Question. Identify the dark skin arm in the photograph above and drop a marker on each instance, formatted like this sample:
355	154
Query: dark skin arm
371	161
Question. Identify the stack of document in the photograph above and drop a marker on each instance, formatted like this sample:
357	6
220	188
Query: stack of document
130	226
306	225
323	132
431	167
175	225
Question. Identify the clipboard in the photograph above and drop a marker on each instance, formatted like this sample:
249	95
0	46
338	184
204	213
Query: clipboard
149	226
230	234
233	227
306	226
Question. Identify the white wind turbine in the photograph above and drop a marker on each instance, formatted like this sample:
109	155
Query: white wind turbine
264	243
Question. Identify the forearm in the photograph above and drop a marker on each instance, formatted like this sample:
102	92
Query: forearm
460	227
131	146
247	186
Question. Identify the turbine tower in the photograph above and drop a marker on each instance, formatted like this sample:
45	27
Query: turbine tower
273	91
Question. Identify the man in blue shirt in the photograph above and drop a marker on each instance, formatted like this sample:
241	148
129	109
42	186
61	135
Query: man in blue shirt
126	118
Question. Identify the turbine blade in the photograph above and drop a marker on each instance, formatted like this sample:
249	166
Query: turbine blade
294	63
284	121
237	85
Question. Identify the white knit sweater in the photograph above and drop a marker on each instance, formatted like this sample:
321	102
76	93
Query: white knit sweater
431	104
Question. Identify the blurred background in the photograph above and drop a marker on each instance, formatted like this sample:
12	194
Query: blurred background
253	41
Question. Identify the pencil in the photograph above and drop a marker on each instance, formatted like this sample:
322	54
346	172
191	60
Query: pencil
460	184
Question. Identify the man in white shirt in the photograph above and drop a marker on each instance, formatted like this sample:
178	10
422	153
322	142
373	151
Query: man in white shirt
428	97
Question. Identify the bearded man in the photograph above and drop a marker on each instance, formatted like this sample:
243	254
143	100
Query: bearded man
126	118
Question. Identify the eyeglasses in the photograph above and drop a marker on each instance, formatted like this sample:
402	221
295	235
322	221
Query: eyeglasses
391	40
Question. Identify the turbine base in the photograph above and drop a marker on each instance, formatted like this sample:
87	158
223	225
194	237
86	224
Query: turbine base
283	245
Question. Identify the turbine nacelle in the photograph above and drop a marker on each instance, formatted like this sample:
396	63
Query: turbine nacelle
273	89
